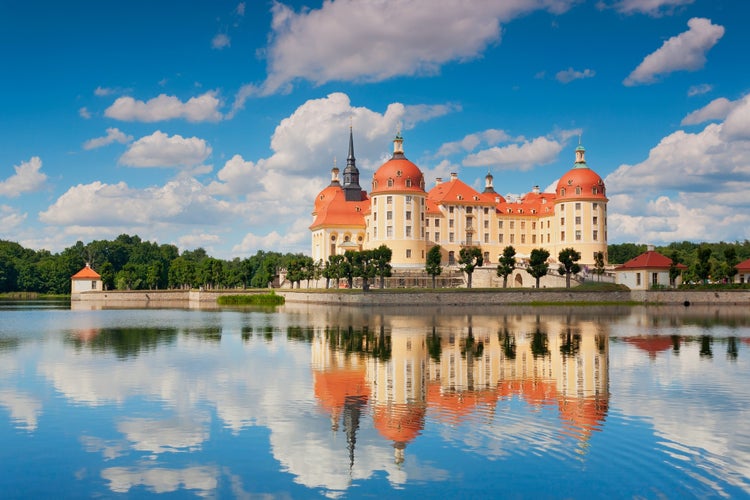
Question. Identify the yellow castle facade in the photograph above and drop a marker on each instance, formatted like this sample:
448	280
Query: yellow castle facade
400	213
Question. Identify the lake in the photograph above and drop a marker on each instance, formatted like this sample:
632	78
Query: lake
313	401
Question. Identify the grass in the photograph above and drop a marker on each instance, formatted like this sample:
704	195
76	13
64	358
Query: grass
258	299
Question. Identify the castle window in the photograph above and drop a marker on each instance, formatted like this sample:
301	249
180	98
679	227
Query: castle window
486	224
594	206
512	239
595	220
408	215
578	189
562	235
523	239
499	238
408	231
562	221
375	216
408	253
450	237
578	220
450	223
389	232
523	224
578	235
562	192
437	222
595	235
427	223
375	233
570	182
512	225
533	239
333	237
398	173
578	204
450	210
594	190
533	225
389	199
476	198
468	210
548	237
389	215
359	209
408	183
390	182
499	224
486	210
486	237
562	205
437	237
408	199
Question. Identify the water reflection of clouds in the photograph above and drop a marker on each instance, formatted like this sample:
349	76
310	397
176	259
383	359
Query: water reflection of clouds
182	433
24	409
202	479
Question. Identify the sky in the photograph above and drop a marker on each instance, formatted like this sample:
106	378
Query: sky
215	124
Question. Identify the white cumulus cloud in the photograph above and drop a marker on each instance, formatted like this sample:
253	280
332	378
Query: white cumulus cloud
384	38
718	109
28	178
684	52
655	8
522	156
202	108
570	74
113	135
161	150
220	41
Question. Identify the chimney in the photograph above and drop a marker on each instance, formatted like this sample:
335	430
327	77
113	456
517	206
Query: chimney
535	190
650	248
454	176
438	181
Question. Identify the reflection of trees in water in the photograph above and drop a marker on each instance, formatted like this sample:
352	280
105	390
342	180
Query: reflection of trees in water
360	340
434	345
706	341
301	333
570	343
508	341
125	342
7	344
539	344
732	348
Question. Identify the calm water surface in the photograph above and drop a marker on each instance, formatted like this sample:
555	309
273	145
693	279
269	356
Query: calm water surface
313	401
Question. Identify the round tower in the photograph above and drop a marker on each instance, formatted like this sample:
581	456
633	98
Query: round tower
581	211
397	209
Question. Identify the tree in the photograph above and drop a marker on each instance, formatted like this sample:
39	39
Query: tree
348	266
468	259
568	258
538	266
730	254
599	265
432	264
364	266
703	264
382	260
674	271
506	264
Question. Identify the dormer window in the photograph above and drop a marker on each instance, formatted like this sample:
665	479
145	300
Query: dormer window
570	182
562	192
398	173
578	189
594	190
408	183
476	198
390	182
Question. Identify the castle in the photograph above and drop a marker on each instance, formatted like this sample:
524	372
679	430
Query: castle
399	213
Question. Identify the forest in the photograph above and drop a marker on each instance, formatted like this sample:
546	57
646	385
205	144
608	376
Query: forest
129	263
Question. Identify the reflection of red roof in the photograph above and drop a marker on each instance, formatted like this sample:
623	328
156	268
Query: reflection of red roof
459	404
743	266
333	387
649	260
584	414
86	274
652	344
399	422
535	392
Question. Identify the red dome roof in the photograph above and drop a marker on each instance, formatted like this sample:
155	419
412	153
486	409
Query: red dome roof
398	174
580	182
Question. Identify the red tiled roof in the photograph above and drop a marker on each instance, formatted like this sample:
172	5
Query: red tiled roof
86	274
649	260
332	209
401	173
743	266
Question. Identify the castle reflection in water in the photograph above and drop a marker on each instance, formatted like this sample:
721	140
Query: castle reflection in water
402	371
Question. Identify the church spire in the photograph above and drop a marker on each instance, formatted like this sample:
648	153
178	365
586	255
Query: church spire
352	189
580	155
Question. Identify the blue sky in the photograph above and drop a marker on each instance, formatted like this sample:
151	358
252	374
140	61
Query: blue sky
215	124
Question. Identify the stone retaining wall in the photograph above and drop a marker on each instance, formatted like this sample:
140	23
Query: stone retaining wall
207	298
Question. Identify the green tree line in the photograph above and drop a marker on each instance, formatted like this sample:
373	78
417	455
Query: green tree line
129	263
704	261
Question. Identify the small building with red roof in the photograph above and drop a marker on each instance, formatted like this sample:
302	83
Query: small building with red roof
743	271
85	280
648	270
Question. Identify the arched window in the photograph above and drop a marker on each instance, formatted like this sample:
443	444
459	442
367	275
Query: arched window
562	192
408	183
578	189
390	182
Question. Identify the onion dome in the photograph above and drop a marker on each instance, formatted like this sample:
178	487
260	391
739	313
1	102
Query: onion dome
580	182
398	174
